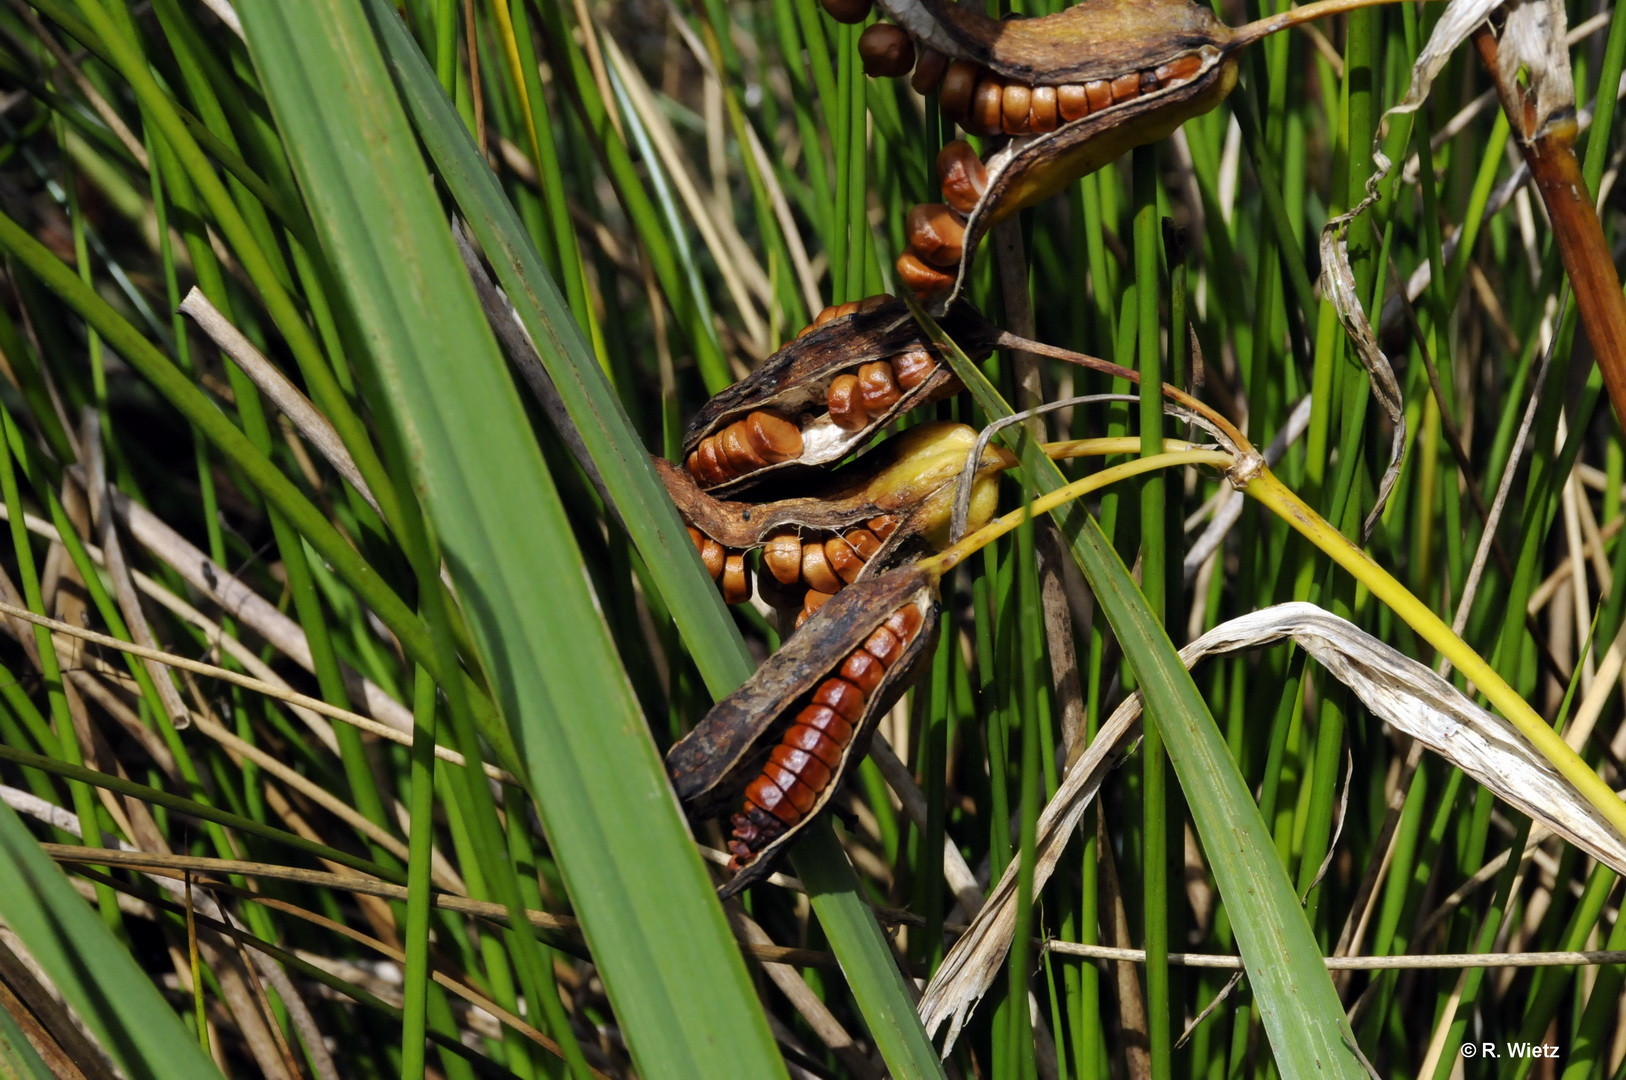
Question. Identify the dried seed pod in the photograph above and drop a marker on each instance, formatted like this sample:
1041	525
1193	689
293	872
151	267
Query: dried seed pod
802	406
890	506
1087	84
886	51
847	11
776	750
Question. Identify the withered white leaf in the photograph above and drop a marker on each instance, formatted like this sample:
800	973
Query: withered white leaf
1397	688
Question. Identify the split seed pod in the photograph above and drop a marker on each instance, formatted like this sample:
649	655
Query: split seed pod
894	503
1075	90
776	750
823	395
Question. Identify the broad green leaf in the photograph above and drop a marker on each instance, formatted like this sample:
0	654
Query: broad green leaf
671	969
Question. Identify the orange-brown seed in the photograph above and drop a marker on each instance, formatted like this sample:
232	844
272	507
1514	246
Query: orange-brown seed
825	719
866	543
924	280
1072	103
1043	116
987	105
842	696
800	795
863	671
775	438
764	795
843	559
963	175
816	570
807	768
1148	81
905	622
884	645
876	387
741	456
736	582
912	368
882	525
1179	69
1099	94
1018	101
714	556
782	556
815	742
1125	87
846	406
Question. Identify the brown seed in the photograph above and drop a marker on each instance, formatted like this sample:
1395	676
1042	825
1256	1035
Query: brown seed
1072	102
1042	116
1179	69
1125	87
815	742
912	368
905	622
1148	81
924	280
706	464
737	450
696	537
1018	101
1099	94
816	570
863	671
736	582
807	768
801	796
964	178
866	543
882	525
782	556
987	105
812	602
847	11
876	387
959	82
825	316
777	594
846	408
870	303
936	234
843	697
929	69
714	557
825	719
764	795
775	438
884	645
886	51
843	559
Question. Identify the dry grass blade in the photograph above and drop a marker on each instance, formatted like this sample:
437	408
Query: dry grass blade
1397	688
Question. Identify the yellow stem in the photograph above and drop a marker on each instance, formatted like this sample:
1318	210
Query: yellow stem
1284	503
1082	448
953	555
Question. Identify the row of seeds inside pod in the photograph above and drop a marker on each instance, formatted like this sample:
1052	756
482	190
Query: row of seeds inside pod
801	766
767	437
936	231
984	103
796	571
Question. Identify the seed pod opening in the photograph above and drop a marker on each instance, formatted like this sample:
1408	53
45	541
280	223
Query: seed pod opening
811	404
773	754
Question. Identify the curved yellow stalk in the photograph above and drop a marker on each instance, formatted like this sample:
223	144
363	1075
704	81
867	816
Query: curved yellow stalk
955	554
1287	505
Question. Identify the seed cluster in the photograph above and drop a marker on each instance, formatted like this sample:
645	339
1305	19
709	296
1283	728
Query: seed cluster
767	437
808	756
936	231
797	571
